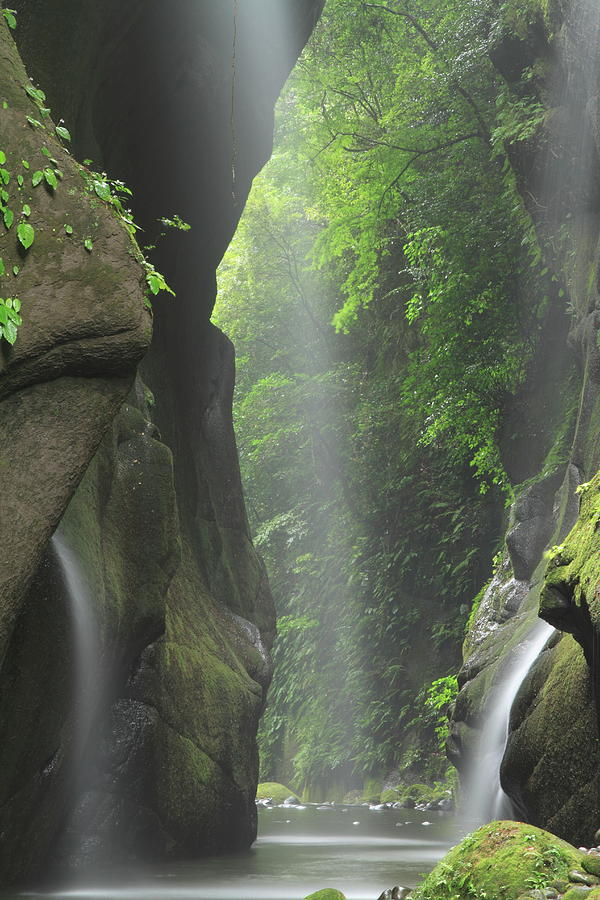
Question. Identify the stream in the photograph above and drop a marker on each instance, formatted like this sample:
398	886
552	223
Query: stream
358	850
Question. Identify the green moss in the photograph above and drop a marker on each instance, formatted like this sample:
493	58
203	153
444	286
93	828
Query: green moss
327	894
390	796
275	791
500	862
574	569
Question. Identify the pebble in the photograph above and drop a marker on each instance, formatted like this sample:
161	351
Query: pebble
356	823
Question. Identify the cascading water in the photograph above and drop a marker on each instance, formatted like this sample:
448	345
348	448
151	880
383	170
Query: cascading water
485	798
86	645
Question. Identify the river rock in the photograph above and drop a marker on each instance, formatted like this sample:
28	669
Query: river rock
577	877
326	894
500	859
591	862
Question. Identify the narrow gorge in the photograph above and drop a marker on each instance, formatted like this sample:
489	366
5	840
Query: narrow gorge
299	456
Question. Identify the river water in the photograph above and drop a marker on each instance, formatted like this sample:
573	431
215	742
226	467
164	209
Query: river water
360	851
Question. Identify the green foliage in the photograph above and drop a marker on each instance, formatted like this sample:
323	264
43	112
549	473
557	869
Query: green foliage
440	694
10	16
374	295
9	318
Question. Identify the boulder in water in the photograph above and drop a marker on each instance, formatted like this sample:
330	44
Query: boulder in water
498	861
327	894
277	793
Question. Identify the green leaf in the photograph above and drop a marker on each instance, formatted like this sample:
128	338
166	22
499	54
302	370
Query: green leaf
3	313
88	244
154	284
2	267
37	178
63	133
26	209
26	234
34	122
10	16
16	270
16	304
20	181
10	332
9	217
102	189
25	164
2	157
51	178
69	229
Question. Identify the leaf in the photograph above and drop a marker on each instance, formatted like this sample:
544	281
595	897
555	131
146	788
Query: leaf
10	332
37	178
3	313
102	189
88	244
51	178
10	16
20	181
2	157
16	304
26	234
26	209
34	122
63	133
69	229
2	267
16	270
154	284
25	164
9	217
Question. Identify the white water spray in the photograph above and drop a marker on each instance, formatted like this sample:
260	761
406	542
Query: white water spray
485	800
86	645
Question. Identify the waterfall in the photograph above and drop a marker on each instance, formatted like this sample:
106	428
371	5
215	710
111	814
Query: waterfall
485	800
86	646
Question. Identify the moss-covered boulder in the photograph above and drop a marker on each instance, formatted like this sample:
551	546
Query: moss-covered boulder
271	790
500	861
327	894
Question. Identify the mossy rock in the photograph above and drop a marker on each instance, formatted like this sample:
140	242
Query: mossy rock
499	861
579	891
591	863
327	894
274	791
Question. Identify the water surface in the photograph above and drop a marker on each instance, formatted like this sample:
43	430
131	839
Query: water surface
357	850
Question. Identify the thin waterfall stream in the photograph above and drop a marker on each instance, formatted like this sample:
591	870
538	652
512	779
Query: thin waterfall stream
86	646
486	799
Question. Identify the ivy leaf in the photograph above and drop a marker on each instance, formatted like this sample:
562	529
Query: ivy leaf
37	178
3	313
63	133
26	234
9	217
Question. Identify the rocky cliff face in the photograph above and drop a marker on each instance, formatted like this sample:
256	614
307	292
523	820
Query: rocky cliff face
177	100
552	761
